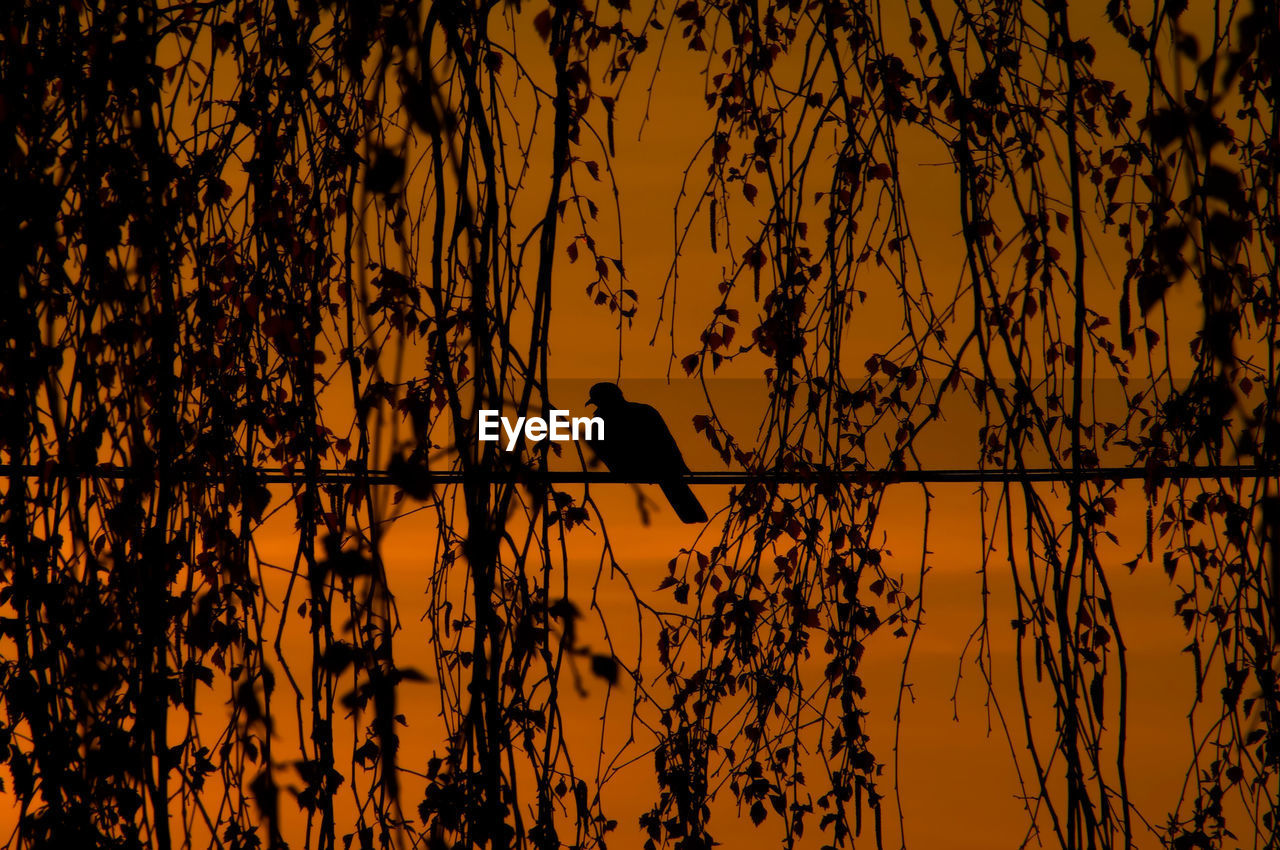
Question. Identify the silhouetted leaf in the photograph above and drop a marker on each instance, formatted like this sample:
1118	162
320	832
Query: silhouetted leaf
385	171
606	667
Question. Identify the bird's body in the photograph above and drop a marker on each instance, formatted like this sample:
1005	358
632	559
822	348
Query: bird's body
638	443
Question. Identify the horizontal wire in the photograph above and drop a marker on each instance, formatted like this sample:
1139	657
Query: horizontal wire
385	477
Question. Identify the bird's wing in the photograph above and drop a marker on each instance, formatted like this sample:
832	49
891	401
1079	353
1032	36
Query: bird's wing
659	446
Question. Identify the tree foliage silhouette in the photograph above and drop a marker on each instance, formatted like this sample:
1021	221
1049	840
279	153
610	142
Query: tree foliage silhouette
227	222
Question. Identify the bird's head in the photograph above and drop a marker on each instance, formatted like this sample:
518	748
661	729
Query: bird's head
605	395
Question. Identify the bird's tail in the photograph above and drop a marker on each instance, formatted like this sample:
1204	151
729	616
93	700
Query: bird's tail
687	506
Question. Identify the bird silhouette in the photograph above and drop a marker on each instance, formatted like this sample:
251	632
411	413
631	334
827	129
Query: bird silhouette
638	443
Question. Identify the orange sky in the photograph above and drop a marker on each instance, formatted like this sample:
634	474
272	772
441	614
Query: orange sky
958	784
959	787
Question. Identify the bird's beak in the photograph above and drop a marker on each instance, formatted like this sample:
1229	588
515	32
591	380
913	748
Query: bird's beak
590	402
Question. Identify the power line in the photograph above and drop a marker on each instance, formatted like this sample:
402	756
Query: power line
386	477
